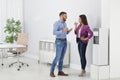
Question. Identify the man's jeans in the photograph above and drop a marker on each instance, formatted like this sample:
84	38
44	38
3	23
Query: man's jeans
61	46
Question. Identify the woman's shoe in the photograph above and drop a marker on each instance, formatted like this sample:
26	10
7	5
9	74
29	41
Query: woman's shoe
82	73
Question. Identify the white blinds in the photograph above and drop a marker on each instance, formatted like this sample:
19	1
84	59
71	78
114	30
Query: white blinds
9	9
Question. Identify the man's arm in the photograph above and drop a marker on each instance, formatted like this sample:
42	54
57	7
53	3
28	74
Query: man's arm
69	30
56	31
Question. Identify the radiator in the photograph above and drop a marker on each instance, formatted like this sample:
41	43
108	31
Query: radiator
47	52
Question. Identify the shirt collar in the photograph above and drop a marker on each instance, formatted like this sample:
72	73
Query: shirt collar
61	21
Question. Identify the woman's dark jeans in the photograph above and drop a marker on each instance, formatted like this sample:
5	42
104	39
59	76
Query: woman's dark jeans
82	51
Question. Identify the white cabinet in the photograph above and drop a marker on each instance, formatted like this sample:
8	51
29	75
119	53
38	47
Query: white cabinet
100	72
47	52
100	47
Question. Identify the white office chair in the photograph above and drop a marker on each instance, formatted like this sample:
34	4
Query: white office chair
22	40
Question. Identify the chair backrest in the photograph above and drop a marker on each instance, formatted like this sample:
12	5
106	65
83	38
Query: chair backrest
22	40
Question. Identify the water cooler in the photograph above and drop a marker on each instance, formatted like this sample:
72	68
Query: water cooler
100	59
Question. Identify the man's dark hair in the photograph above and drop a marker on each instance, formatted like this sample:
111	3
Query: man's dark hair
61	13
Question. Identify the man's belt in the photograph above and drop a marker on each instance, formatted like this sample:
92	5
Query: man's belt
62	39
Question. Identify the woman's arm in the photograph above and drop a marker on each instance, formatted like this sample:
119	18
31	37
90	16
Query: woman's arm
75	31
90	32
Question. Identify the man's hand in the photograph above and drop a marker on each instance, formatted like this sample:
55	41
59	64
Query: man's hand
65	29
82	38
70	29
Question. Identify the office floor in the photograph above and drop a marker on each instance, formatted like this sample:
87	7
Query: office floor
35	72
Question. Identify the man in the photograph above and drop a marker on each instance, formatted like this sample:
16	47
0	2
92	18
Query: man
60	30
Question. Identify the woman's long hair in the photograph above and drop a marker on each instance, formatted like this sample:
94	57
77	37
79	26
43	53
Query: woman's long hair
84	19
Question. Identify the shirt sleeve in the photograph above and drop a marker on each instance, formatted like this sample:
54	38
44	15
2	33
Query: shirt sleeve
67	31
90	32
56	30
75	31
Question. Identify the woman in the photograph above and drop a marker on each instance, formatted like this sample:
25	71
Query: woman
83	34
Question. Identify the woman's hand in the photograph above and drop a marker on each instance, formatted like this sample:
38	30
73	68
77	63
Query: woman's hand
82	38
75	24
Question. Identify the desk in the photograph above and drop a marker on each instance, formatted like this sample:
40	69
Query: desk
9	46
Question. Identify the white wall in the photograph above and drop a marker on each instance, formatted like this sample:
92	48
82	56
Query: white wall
0	13
110	18
39	16
9	9
105	10
114	38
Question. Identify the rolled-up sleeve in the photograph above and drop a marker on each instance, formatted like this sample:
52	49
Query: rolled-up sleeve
56	31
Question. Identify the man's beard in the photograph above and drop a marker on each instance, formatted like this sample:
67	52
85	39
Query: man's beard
64	20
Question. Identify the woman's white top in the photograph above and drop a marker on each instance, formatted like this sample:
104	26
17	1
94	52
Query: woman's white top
79	33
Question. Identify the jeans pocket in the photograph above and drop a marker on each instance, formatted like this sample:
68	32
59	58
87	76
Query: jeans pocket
57	42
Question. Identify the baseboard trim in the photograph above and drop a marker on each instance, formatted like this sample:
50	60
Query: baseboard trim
75	66
32	56
78	67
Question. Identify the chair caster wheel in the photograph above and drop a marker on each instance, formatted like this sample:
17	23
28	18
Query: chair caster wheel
27	65
22	64
18	69
19	66
38	62
2	64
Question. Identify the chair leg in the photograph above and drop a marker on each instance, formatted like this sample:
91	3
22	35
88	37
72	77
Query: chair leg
12	64
20	64
24	63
